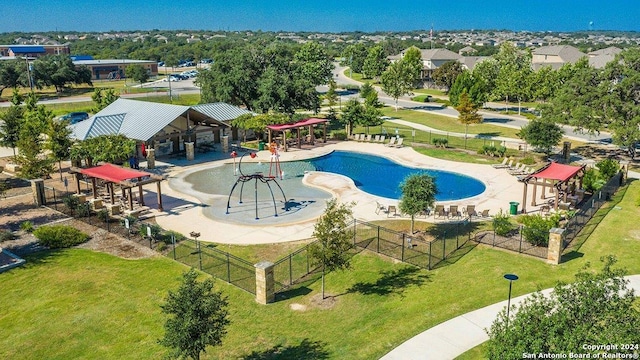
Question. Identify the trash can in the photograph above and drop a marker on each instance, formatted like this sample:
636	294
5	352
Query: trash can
261	146
513	207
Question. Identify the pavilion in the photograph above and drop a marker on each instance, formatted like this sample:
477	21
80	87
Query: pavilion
310	123
559	178
126	178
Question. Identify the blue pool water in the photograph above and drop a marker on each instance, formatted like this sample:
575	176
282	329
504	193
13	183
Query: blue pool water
382	177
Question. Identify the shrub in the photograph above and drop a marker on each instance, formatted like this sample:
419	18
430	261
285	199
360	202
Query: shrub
103	215
489	150
607	168
442	142
528	160
6	235
71	202
161	247
501	150
339	135
84	209
166	237
155	230
26	226
502	223
591	182
59	236
536	228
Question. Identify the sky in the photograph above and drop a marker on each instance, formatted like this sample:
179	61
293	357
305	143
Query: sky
318	16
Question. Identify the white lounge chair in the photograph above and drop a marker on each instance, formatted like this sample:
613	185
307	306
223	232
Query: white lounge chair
368	139
399	143
392	142
502	165
382	138
376	138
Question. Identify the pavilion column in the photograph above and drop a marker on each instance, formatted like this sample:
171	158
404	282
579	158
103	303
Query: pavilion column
269	134
77	176
111	194
557	200
524	199
533	198
130	199
141	195
299	139
544	188
284	140
94	188
159	197
552	187
312	135
324	134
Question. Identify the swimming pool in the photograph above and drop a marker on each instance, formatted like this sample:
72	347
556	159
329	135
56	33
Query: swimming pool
382	177
373	174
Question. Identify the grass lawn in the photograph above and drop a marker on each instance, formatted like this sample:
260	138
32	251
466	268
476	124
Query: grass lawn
80	304
430	92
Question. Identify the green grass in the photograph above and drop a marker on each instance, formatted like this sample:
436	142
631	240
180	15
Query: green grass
435	92
80	304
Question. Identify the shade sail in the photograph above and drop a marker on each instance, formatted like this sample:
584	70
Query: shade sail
301	123
113	173
556	171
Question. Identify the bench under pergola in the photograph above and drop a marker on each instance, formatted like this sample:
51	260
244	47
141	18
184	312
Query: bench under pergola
555	176
125	177
310	123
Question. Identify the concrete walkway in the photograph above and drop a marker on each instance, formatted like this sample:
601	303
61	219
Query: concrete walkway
454	337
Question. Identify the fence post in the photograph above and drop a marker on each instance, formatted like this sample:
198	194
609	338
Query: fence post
199	254
430	242
290	271
228	269
55	201
444	245
307	258
378	246
494	238
402	254
265	283
355	231
173	240
521	227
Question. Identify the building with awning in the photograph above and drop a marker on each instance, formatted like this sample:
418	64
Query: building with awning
560	178
306	123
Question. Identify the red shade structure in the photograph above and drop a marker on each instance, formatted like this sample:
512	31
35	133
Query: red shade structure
555	176
310	123
113	173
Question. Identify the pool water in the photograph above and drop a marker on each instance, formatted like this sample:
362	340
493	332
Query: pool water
382	177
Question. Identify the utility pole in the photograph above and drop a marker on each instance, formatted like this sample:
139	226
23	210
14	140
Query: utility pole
26	58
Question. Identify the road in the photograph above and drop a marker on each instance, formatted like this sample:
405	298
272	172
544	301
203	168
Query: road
511	121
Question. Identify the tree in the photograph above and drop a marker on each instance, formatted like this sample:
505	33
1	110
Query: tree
12	121
468	114
313	64
514	68
375	63
413	65
418	194
103	98
107	148
397	80
470	84
354	56
58	71
334	238
11	72
198	317
352	112
30	142
258	123
370	95
59	142
332	99
137	72
541	133
597	309
447	73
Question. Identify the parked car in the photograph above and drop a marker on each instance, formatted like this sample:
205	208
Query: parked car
206	61
75	117
160	63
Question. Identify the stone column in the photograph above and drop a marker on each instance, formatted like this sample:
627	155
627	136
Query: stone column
151	158
37	188
554	252
190	150
225	142
265	284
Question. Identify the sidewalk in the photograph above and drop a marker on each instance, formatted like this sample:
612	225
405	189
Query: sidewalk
454	337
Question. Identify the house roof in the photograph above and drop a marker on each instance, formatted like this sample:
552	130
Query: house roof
221	111
565	52
611	50
439	54
470	62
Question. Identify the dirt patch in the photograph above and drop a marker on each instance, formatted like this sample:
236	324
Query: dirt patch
298	307
327	303
635	234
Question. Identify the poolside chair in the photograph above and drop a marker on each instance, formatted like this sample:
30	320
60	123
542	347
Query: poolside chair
485	213
453	211
440	212
516	170
391	209
502	165
392	142
425	213
382	138
369	137
380	207
399	143
471	211
376	138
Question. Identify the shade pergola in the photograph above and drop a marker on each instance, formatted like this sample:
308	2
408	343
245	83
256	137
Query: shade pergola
126	178
310	123
553	175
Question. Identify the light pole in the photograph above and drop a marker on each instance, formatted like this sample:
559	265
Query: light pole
511	278
26	58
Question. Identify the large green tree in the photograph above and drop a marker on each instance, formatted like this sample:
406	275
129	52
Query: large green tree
334	238
375	63
137	72
313	64
542	133
11	74
59	71
467	114
104	148
446	74
352	113
412	62
597	309
470	84
398	80
30	143
354	56
197	317
12	121
514	69
59	142
103	98
418	194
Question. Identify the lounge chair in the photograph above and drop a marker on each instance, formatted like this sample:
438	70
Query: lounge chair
485	213
380	207
471	211
517	170
376	138
440	212
392	142
362	137
368	139
382	138
391	209
399	143
502	165
454	212
425	213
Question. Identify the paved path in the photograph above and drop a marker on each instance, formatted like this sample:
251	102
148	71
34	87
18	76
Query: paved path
454	337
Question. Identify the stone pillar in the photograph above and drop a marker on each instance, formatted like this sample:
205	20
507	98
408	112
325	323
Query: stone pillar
96	204
225	142
188	146
37	188
114	209
151	158
554	251
265	284
81	198
624	167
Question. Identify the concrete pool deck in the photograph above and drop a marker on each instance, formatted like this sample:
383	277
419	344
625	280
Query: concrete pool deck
184	211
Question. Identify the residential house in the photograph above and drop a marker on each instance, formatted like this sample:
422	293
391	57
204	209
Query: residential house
599	58
555	56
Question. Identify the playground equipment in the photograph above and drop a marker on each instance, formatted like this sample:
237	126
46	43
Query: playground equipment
258	177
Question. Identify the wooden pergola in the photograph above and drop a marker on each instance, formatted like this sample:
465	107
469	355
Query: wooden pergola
310	123
557	177
125	177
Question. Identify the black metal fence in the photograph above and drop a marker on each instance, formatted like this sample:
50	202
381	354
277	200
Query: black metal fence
515	241
588	208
